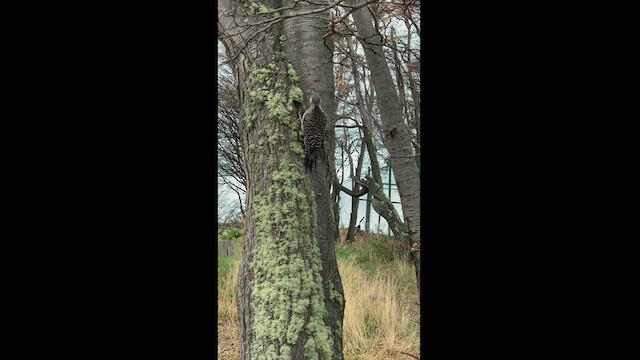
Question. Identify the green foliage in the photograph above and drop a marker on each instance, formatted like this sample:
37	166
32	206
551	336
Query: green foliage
231	234
380	255
225	263
381	248
372	253
343	253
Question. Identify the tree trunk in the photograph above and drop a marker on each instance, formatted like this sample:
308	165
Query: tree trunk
305	35
381	203
355	200
397	138
289	294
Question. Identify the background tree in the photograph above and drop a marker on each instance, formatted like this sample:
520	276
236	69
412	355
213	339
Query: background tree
230	158
397	135
358	99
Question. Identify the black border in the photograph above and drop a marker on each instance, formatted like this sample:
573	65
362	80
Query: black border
125	199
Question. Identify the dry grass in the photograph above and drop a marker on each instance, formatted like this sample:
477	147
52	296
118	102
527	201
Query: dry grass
228	337
381	319
379	323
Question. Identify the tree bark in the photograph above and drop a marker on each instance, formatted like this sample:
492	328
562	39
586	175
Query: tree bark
289	293
381	203
315	68
355	200
397	138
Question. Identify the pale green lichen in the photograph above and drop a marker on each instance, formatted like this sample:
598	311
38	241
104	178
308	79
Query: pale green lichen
310	349
285	352
249	117
273	139
335	295
278	104
277	108
260	75
295	93
287	290
255	8
296	147
287	266
292	72
289	285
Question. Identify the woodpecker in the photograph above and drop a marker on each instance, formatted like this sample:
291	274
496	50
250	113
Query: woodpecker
314	127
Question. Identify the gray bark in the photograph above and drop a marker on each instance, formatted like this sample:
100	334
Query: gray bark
415	95
397	138
355	200
305	35
381	203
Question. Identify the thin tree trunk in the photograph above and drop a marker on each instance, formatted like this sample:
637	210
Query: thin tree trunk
381	203
396	134
355	200
415	95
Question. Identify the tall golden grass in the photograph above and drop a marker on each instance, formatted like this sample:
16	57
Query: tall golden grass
381	319
379	322
228	337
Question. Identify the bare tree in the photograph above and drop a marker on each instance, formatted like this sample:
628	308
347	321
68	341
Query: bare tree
355	199
230	159
397	136
362	108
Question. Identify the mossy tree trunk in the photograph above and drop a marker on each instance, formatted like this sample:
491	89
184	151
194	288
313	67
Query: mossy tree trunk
290	297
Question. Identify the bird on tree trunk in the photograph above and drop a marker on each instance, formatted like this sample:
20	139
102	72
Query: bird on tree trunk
314	127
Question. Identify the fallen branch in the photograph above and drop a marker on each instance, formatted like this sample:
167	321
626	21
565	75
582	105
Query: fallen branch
413	356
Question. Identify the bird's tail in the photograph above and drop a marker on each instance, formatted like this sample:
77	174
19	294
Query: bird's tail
308	162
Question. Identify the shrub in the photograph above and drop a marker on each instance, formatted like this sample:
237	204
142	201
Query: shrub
231	234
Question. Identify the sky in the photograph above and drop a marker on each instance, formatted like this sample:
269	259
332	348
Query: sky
229	199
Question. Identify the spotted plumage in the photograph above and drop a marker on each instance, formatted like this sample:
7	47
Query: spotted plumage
314	127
